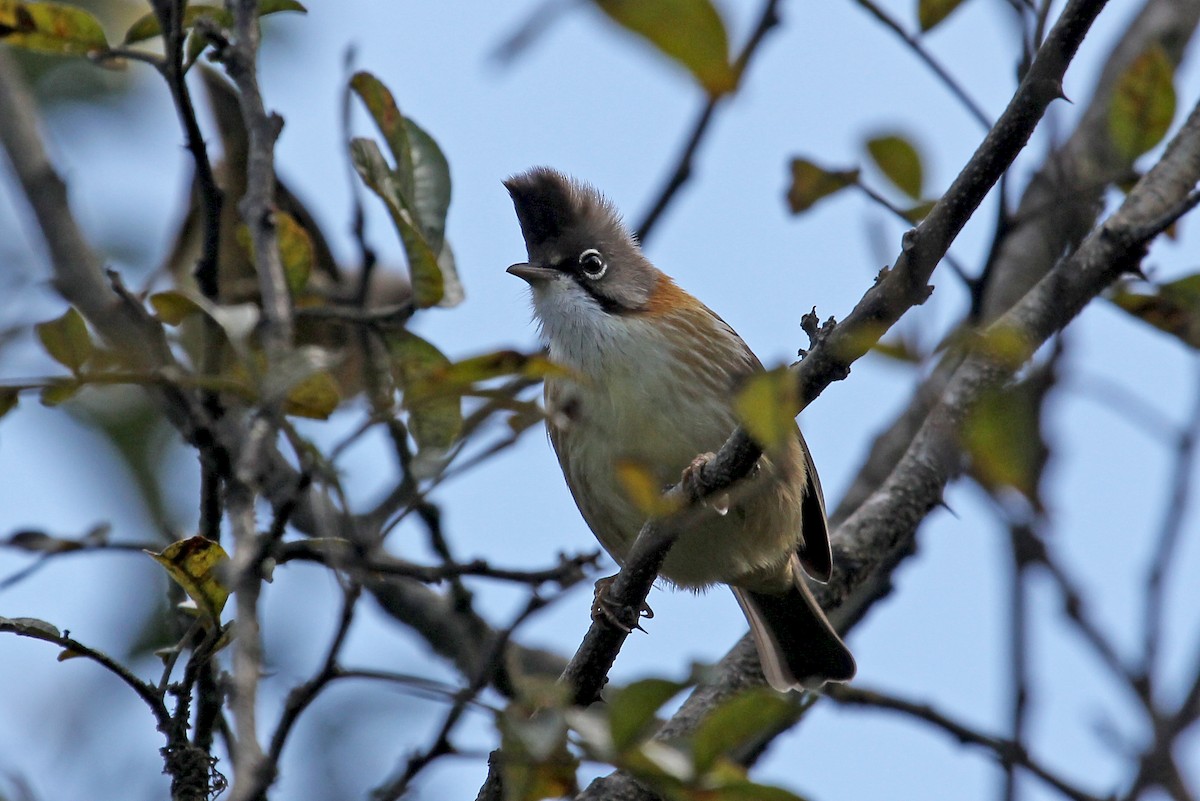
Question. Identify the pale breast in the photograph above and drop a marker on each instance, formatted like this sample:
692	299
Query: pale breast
660	407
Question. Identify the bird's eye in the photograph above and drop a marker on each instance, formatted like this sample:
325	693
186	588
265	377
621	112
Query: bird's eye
592	264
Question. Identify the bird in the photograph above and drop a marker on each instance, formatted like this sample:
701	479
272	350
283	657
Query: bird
650	376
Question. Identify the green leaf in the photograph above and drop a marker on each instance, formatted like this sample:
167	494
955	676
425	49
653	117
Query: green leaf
750	791
1002	435
690	32
632	709
57	392
30	627
427	282
931	12
899	161
811	183
1173	307
1143	103
67	340
738	721
146	26
435	419
391	123
9	396
421	178
430	184
767	406
50	28
452	288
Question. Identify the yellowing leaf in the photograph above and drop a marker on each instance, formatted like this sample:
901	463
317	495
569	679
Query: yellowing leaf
691	32
315	397
50	28
931	12
914	214
173	307
767	406
146	27
1143	103
1173	308
197	564
899	161
535	762
811	183
295	251
461	377
57	392
9	396
643	488
67	341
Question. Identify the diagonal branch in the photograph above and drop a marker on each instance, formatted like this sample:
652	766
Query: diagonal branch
896	291
880	533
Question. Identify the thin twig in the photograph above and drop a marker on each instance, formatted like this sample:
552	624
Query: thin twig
441	744
918	49
302	696
1007	752
682	171
43	632
344	554
1174	515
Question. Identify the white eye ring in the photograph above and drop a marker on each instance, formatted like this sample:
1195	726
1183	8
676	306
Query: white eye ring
593	265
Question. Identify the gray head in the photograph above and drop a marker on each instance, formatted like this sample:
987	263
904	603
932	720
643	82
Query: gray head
573	233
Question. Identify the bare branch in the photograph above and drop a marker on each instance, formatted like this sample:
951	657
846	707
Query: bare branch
1007	752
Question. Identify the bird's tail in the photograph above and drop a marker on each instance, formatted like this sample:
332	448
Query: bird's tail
796	643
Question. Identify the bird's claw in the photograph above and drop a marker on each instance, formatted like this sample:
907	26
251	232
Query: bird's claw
614	614
691	479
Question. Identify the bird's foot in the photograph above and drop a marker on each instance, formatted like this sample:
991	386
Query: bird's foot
614	614
692	480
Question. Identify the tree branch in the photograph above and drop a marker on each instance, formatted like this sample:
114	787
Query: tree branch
880	532
897	290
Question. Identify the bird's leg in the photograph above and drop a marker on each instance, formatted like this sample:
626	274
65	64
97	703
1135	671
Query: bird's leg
614	614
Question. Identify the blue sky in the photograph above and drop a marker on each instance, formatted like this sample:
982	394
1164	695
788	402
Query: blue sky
597	103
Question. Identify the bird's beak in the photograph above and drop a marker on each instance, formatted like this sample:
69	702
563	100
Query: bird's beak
531	273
